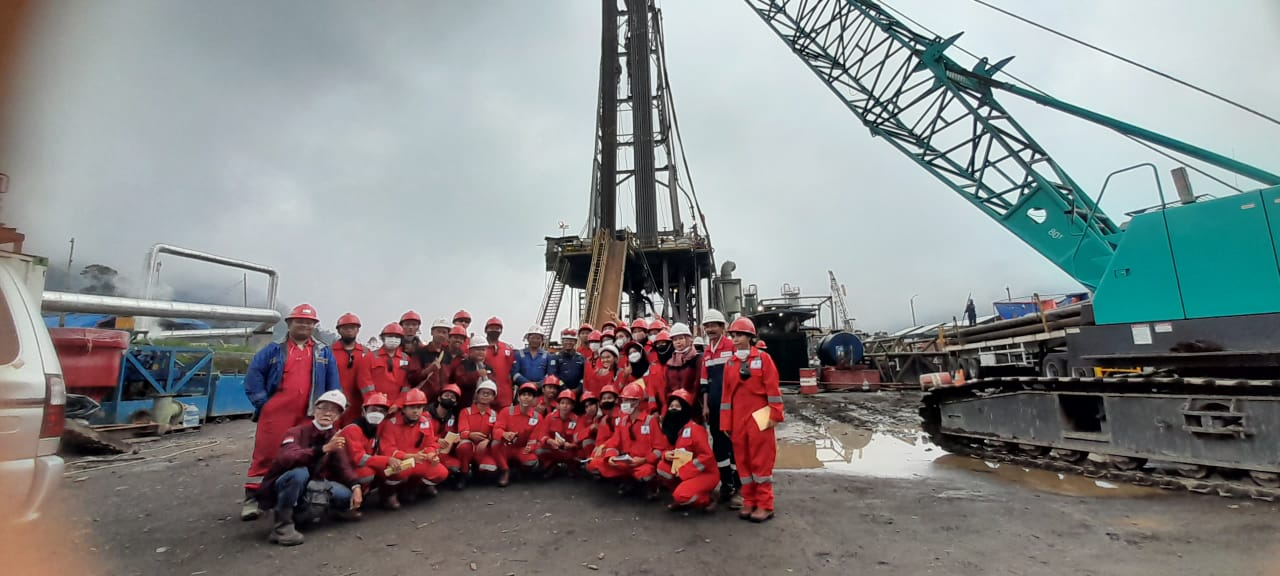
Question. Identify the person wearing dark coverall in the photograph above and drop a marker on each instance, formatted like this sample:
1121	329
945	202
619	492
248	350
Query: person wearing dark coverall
717	352
312	451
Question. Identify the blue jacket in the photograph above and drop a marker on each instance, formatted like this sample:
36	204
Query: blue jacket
569	368
530	367
267	369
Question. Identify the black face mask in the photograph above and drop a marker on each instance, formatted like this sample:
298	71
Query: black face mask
348	339
493	335
662	347
674	422
448	403
607	405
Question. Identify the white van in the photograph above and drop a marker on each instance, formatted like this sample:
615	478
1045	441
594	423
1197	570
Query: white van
32	394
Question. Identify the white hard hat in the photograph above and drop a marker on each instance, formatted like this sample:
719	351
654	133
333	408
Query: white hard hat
609	348
713	315
487	385
334	396
441	323
479	341
699	341
533	330
680	329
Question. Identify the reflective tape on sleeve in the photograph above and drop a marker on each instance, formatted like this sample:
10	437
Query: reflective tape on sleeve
775	399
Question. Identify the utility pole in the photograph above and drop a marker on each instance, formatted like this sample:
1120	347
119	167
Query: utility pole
245	283
62	318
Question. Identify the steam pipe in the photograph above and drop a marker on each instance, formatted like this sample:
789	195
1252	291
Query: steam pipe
95	304
158	249
210	333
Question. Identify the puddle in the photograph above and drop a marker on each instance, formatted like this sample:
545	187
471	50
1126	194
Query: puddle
1047	481
846	449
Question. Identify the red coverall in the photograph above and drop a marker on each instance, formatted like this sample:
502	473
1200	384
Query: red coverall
754	450
399	438
499	358
567	428
363	453
523	423
655	385
640	438
592	381
443	428
469	452
466	374
353	373
692	485
389	374
286	408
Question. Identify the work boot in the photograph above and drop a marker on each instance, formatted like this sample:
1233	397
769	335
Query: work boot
735	501
350	515
389	499
408	493
284	533
460	483
249	510
761	515
429	489
504	478
745	512
710	507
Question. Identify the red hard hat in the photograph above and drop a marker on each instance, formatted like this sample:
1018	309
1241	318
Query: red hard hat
761	345
458	331
461	315
303	312
743	325
658	324
586	396
392	328
528	387
632	391
494	321
376	399
622	328
569	333
608	324
663	336
452	388
595	336
608	389
586	327
683	395
639	323
348	319
632	344
551	380
566	395
608	333
410	315
414	397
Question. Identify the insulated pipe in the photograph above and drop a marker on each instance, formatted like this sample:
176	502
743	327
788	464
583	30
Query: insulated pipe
973	331
158	249
95	304
210	333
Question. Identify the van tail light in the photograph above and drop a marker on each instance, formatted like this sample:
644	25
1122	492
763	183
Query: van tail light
55	404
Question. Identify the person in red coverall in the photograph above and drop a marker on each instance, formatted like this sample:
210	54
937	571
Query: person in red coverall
558	436
362	449
604	372
475	428
692	485
498	357
640	332
353	367
462	318
751	385
651	376
388	367
410	322
469	371
585	432
409	436
635	448
445	413
514	439
547	400
588	344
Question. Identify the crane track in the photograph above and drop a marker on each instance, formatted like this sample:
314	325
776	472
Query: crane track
975	447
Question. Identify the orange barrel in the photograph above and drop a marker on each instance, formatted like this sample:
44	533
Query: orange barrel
808	381
934	379
90	359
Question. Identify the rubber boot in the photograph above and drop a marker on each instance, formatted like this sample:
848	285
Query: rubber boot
389	499
284	533
249	510
504	478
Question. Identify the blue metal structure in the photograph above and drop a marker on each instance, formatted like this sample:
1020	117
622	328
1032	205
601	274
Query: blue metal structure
946	118
151	372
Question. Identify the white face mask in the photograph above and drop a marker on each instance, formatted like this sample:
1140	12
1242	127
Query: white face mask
628	407
620	340
633	357
391	342
606	343
594	346
375	418
742	354
319	427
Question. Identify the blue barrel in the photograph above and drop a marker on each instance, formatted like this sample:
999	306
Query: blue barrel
840	349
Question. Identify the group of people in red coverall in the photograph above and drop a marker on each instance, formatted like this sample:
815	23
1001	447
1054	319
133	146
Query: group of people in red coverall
451	408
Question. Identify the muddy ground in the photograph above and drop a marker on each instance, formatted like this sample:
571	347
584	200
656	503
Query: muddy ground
862	493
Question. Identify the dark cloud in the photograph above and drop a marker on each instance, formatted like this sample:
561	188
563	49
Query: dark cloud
415	154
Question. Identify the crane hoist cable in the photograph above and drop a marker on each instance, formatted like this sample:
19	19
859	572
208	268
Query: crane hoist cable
1031	86
1130	62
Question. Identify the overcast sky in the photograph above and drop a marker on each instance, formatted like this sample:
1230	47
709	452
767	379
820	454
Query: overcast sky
401	155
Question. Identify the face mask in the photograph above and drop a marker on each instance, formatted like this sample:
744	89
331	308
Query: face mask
390	342
374	418
633	357
348	339
620	340
662	347
493	335
321	428
594	346
606	405
741	354
448	403
606	342
628	407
